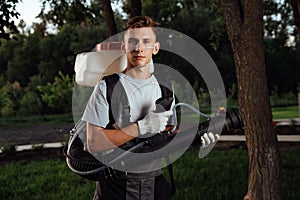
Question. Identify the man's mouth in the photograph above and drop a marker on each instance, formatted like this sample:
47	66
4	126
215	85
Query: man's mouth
139	57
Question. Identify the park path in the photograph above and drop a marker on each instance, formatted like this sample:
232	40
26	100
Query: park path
41	134
35	135
241	138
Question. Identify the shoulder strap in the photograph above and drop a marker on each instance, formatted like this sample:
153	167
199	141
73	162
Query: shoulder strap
111	82
165	88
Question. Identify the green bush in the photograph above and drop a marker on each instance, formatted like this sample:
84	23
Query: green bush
232	96
7	110
81	95
10	95
30	104
287	99
58	95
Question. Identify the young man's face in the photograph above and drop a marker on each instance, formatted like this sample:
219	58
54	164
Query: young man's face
140	44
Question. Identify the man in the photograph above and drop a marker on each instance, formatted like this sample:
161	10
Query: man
142	90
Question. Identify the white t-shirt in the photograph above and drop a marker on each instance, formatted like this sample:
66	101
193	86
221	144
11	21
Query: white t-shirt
141	95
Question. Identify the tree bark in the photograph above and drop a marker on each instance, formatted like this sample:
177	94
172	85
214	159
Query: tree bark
296	13
109	17
135	8
244	23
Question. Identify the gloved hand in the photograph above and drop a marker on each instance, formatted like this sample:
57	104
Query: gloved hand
207	142
209	139
154	122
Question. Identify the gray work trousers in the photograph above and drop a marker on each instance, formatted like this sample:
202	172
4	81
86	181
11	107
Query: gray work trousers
153	188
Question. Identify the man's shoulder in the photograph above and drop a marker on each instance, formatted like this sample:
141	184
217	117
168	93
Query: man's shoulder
111	77
111	80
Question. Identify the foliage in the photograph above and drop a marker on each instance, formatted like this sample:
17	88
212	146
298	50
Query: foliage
281	64
71	12
34	82
10	95
7	13
220	175
37	55
54	55
286	99
7	49
232	96
278	20
30	104
58	95
202	94
7	109
81	95
85	38
24	61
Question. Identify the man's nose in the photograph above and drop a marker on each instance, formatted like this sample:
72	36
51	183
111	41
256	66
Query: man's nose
139	46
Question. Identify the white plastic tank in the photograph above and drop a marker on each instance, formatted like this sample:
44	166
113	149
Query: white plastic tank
90	67
108	58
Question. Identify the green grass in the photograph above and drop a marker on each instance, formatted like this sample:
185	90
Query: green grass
47	179
285	112
23	121
220	175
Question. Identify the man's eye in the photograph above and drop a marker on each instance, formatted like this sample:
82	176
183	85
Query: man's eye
132	42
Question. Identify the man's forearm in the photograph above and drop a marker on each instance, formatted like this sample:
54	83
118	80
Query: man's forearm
100	139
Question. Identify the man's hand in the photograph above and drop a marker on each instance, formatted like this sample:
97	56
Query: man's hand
209	139
154	122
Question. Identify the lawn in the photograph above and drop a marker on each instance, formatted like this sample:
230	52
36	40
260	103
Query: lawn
220	175
285	112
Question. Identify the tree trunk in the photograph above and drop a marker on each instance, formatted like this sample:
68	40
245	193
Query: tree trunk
244	23
135	8
296	12
109	17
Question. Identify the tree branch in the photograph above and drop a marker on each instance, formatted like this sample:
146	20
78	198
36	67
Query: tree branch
109	17
296	12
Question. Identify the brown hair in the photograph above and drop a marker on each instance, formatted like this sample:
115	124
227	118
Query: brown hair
140	22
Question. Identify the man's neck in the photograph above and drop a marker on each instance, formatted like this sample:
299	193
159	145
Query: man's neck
140	73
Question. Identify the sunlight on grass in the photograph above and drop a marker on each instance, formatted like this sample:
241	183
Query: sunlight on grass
285	112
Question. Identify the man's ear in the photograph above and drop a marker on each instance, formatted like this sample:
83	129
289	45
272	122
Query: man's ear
123	47
156	48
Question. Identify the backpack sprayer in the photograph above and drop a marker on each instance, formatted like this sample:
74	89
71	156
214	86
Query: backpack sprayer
86	165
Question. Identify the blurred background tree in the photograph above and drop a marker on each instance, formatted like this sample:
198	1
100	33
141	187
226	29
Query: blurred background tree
37	75
69	27
7	13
